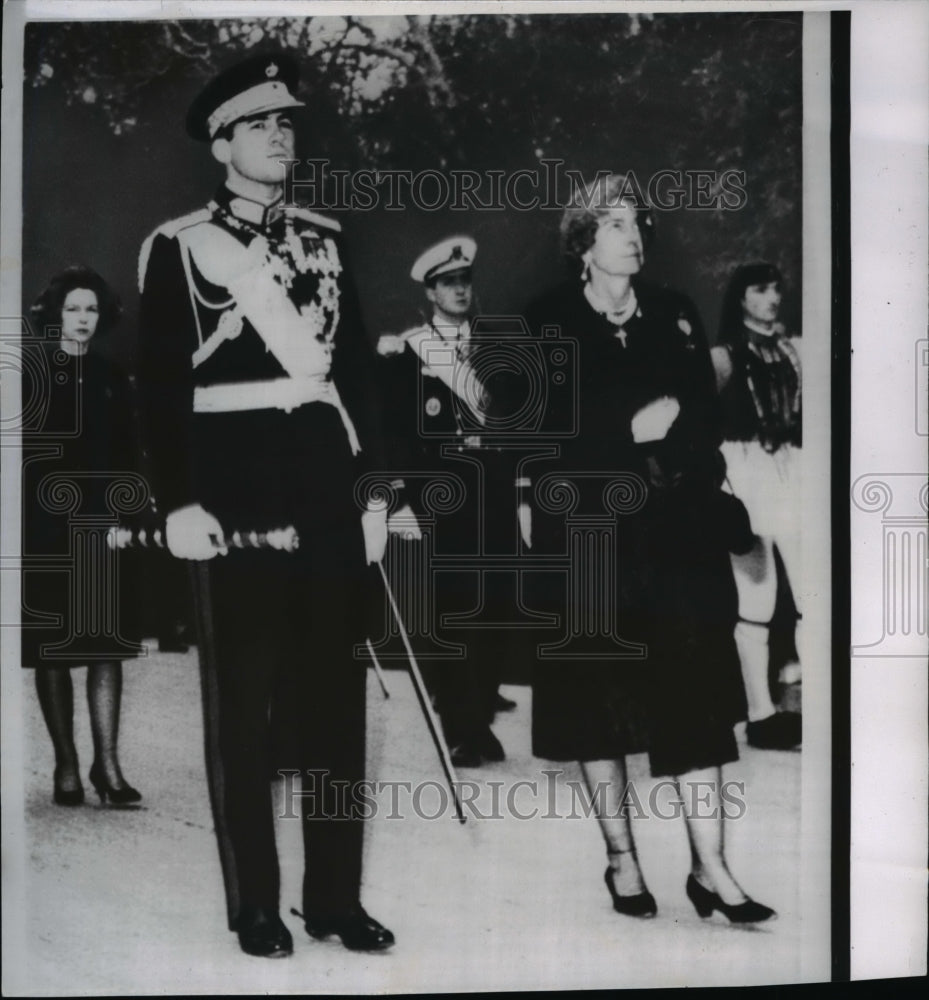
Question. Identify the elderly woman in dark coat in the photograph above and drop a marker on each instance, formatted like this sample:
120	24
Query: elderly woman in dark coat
646	411
85	439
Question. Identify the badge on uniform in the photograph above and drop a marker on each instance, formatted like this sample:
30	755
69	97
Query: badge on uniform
433	407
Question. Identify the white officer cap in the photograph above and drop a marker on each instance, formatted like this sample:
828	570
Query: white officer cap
453	254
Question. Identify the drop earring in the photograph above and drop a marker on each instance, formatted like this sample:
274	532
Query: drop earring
585	273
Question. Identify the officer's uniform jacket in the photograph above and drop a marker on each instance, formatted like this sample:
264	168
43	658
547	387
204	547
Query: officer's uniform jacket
436	406
256	377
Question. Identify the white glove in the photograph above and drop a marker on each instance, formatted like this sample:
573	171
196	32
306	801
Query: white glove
117	538
374	526
524	517
653	421
283	539
312	358
403	522
192	533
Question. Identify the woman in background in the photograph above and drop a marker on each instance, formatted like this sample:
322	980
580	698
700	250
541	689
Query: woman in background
646	404
759	374
88	420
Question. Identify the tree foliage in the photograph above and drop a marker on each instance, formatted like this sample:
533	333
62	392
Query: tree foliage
600	91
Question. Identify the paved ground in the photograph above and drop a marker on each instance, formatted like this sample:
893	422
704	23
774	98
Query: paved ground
130	902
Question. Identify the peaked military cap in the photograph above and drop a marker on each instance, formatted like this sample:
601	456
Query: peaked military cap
453	254
252	87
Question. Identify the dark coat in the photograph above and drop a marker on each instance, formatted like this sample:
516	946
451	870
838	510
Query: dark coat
86	441
675	588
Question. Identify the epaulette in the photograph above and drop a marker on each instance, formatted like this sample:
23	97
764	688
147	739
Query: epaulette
390	344
170	229
314	218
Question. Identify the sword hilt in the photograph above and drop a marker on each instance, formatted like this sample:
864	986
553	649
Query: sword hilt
153	537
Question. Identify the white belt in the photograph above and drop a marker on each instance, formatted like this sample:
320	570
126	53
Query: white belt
273	394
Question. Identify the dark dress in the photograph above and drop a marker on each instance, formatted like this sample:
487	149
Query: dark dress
79	477
675	591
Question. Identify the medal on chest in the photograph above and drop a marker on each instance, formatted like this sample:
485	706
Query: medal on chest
306	265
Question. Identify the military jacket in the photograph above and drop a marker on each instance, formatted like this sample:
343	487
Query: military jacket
433	428
246	311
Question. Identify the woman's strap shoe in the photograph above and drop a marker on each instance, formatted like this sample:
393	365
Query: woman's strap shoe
640	905
705	902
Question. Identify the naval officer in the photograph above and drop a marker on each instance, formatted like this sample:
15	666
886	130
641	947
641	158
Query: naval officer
437	397
258	399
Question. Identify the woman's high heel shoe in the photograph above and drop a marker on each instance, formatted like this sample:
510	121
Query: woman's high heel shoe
68	796
640	905
705	902
124	796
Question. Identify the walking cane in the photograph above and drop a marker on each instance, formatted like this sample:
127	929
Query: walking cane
432	721
377	668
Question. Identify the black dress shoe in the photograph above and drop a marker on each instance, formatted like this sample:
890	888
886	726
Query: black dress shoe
705	902
262	932
503	704
170	644
781	731
465	755
358	931
642	904
477	749
68	796
489	746
125	796
177	637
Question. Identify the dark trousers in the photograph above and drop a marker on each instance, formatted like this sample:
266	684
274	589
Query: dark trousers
291	697
465	690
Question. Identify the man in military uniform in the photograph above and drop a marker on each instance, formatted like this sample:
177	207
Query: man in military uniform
436	406
257	396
